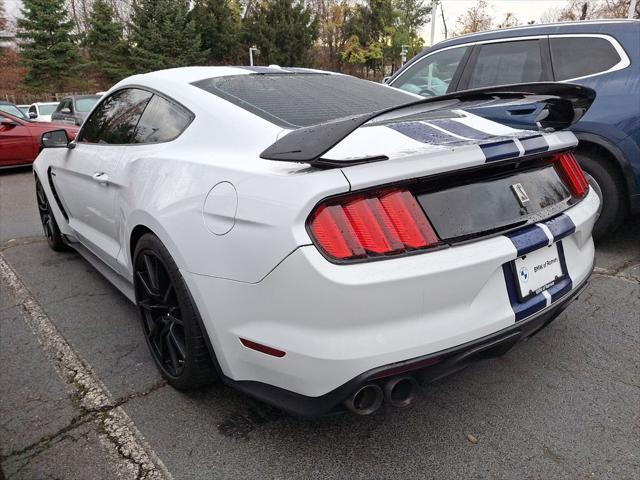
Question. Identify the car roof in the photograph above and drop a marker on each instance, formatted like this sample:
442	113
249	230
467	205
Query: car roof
187	75
585	26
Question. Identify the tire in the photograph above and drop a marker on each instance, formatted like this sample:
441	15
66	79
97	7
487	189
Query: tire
612	193
49	224
169	319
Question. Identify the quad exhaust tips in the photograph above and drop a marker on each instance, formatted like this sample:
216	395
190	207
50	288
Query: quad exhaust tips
365	400
400	391
397	391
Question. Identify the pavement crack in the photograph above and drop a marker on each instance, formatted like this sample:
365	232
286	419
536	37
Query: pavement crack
118	434
47	441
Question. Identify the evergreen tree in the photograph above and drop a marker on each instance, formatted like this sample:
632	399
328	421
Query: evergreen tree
48	51
3	17
218	22
163	36
283	30
108	52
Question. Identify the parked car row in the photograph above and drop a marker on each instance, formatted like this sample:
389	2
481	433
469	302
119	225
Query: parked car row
21	126
72	109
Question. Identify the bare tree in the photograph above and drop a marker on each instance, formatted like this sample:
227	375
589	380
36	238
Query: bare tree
3	18
510	20
475	19
615	9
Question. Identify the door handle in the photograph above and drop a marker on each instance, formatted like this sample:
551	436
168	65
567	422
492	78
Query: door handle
101	177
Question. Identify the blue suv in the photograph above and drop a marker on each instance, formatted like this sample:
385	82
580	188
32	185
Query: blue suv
603	55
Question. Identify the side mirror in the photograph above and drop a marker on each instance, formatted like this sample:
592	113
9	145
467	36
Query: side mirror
33	115
385	80
55	139
66	111
7	122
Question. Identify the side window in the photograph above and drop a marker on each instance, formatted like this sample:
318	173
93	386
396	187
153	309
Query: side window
581	56
506	63
114	120
433	74
162	121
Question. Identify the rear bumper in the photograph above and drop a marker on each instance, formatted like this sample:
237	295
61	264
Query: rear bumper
426	369
337	321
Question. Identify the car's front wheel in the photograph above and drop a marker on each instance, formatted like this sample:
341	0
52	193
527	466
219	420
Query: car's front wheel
169	318
49	224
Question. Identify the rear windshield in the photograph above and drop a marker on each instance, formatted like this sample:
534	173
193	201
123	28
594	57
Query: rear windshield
86	104
47	109
303	99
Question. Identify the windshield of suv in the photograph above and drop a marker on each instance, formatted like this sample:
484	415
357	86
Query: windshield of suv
86	104
294	100
47	109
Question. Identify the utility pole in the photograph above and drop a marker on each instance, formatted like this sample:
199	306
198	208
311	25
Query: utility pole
251	50
403	54
632	9
434	10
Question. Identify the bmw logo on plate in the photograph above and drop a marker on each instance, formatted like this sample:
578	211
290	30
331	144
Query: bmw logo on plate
524	274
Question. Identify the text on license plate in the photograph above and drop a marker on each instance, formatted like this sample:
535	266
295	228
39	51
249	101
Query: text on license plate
538	270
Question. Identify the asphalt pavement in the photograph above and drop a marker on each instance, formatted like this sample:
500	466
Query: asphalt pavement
81	399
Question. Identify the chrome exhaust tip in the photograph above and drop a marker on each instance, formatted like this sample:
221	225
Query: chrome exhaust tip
365	400
400	391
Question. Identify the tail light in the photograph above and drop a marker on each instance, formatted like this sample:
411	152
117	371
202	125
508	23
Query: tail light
364	226
571	174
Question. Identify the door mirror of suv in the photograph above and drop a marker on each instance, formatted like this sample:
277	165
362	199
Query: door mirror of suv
56	139
33	115
66	110
385	80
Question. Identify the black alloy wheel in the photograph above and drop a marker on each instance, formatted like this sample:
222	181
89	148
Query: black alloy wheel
169	319
49	225
162	318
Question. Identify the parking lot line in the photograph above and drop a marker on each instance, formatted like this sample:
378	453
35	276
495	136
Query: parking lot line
117	433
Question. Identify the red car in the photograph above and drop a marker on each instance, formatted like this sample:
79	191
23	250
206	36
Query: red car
20	139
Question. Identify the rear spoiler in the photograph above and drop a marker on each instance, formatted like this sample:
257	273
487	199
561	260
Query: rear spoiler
528	105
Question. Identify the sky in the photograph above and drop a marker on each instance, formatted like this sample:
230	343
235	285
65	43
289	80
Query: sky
524	10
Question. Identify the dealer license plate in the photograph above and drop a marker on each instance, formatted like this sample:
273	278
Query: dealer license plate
537	271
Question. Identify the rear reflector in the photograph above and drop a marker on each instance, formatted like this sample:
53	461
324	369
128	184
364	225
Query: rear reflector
383	223
572	175
262	348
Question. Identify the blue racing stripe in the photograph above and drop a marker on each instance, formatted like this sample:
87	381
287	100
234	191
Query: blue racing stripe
461	129
528	239
559	289
527	307
500	150
536	144
560	226
423	133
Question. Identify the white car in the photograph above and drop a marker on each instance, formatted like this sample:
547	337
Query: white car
320	241
42	111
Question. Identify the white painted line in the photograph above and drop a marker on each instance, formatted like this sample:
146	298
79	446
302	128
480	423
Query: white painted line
547	232
117	432
547	297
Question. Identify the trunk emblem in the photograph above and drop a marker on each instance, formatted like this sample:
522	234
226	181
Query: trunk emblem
520	193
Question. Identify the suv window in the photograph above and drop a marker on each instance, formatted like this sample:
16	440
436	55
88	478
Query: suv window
506	63
162	121
65	103
114	121
581	56
432	75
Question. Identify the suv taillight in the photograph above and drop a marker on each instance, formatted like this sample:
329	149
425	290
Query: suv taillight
571	174
364	226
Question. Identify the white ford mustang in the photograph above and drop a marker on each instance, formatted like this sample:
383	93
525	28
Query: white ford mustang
319	241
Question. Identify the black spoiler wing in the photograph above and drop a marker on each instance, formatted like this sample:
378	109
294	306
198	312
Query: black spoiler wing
528	105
